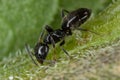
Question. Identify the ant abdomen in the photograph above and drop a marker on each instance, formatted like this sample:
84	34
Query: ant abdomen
75	18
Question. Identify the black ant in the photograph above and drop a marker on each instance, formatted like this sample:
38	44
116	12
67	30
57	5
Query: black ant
72	20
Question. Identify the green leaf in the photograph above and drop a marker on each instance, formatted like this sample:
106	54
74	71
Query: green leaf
22	21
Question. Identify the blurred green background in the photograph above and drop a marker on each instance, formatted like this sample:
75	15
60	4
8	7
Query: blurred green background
21	21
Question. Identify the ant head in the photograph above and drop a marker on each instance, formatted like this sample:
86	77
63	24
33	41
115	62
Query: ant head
41	51
83	14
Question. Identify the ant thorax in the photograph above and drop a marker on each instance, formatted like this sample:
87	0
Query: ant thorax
55	36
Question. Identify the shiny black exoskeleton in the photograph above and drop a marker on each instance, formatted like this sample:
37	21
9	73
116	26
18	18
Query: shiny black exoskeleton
72	20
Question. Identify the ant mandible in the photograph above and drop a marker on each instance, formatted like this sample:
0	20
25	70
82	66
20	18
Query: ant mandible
72	20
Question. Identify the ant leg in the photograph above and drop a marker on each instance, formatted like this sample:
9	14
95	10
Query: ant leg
49	30
41	36
30	53
87	30
62	43
52	40
62	12
53	43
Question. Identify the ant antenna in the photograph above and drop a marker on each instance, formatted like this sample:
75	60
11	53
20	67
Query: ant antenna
88	31
40	36
30	54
